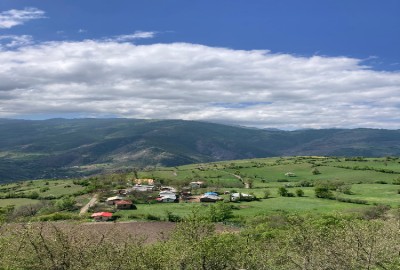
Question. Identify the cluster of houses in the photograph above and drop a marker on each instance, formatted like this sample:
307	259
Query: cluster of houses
166	194
119	202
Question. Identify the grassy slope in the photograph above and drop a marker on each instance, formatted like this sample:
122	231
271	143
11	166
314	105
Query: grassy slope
60	148
266	174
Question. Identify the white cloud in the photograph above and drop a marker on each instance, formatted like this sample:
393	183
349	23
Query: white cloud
14	17
195	82
13	41
134	36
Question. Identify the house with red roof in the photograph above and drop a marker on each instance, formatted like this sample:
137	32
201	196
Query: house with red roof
102	216
124	204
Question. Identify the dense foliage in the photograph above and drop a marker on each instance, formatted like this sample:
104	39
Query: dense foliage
280	241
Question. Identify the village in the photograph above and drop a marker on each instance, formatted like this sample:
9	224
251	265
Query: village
146	191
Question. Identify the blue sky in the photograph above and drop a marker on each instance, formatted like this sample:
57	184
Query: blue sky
285	64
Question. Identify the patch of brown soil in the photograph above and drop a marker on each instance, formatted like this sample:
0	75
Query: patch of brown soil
148	231
144	232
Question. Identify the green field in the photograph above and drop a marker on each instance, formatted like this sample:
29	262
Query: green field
55	187
371	180
16	202
374	181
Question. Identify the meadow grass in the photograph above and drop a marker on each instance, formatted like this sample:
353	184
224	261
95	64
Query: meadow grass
55	187
376	194
17	202
267	176
305	204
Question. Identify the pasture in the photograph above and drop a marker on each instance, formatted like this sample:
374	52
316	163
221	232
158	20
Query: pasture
371	181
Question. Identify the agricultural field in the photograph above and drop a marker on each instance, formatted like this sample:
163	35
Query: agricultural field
353	184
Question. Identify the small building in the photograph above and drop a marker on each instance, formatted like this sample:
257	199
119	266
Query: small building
186	191
211	193
143	188
236	197
124	204
168	197
290	174
210	198
172	189
146	181
166	193
197	184
112	200
102	216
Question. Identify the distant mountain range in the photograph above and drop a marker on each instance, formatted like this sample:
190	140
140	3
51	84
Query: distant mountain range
58	148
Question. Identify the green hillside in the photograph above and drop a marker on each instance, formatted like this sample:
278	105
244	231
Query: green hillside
61	148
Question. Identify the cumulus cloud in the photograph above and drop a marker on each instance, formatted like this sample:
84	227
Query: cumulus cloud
196	82
14	17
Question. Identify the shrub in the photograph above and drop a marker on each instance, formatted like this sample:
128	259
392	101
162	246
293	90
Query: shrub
345	189
334	185
172	217
267	193
33	195
133	216
381	182
48	197
323	192
116	216
44	189
282	180
396	181
82	182
66	203
375	212
316	171
299	192
350	200
152	217
220	211
282	191
305	183
25	211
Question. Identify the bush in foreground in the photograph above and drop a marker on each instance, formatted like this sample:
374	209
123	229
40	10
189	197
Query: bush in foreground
281	241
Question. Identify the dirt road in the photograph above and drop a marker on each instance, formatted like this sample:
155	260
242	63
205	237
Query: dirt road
91	203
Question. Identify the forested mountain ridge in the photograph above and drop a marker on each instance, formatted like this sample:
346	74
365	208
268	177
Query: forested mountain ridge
71	147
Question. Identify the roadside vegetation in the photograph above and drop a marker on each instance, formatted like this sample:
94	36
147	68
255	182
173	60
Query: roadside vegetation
277	241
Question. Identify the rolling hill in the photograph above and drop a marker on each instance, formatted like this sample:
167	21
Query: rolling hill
59	148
